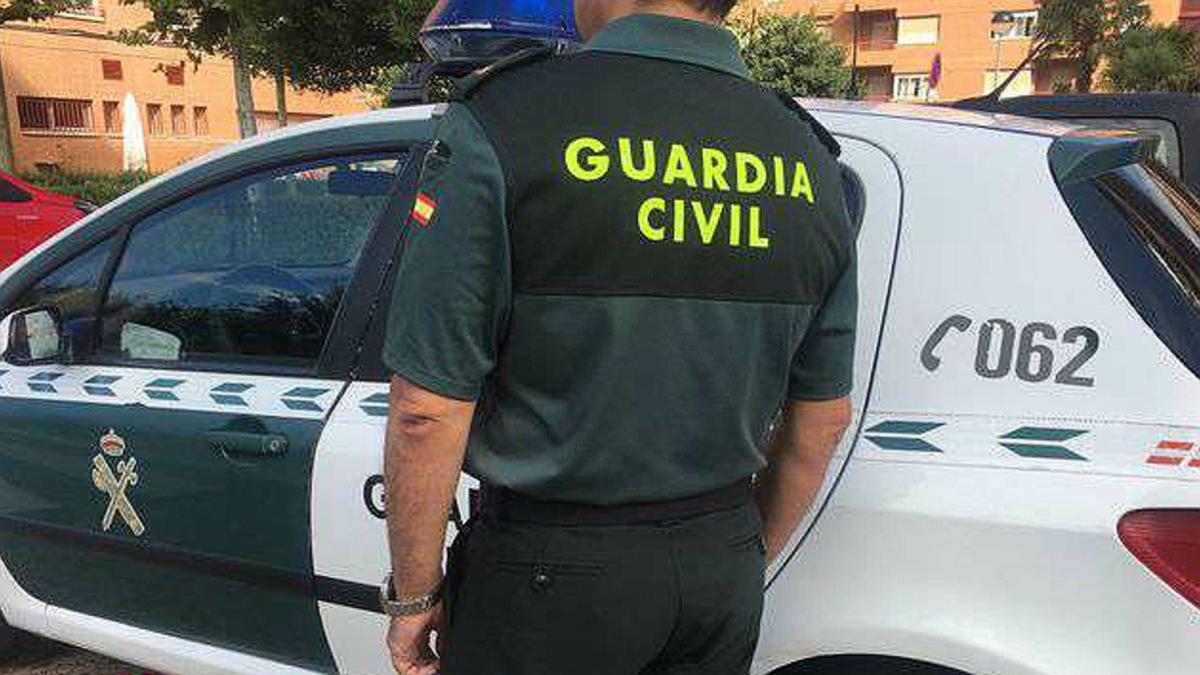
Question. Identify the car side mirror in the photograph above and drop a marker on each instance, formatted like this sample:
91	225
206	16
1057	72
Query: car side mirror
32	337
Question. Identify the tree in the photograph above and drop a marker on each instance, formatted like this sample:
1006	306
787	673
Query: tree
323	45
332	45
21	10
1154	58
1084	30
204	28
790	54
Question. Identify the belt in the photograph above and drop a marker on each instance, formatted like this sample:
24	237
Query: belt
504	504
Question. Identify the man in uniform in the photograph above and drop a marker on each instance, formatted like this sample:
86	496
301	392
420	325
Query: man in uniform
621	265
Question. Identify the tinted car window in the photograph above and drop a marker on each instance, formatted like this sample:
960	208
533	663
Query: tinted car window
12	194
1145	226
249	272
72	289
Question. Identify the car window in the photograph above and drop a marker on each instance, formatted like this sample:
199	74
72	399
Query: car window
1167	151
1145	227
11	194
71	288
250	272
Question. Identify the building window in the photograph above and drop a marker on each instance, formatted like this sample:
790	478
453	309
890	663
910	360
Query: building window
1023	27
112	69
83	9
112	118
58	115
200	120
917	30
910	87
877	30
154	119
178	120
175	75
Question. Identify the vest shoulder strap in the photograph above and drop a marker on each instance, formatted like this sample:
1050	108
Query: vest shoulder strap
465	86
820	131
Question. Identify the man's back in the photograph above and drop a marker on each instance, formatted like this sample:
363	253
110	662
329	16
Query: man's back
674	229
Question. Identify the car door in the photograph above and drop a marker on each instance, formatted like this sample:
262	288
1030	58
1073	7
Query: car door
161	480
17	215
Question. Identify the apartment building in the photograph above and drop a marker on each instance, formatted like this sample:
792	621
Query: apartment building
69	85
897	43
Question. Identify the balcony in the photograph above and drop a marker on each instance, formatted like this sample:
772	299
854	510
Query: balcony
877	30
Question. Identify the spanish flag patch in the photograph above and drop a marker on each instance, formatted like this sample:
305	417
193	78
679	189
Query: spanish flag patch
424	209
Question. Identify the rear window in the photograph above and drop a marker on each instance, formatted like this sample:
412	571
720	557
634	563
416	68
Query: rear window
1145	227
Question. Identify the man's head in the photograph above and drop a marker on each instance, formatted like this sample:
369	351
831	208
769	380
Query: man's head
592	15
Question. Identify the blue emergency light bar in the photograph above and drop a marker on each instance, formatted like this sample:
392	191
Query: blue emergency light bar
461	34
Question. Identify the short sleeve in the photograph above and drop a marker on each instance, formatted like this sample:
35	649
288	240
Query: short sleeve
823	365
823	368
453	286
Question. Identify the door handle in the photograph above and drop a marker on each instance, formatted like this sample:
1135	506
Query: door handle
247	443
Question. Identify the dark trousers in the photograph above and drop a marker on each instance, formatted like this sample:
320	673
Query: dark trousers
663	597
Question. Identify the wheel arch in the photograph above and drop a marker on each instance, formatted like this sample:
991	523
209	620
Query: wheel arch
864	664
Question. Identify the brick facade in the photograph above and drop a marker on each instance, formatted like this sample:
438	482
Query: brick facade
66	80
896	47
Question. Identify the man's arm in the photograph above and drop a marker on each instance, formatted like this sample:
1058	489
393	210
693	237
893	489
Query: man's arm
805	439
452	294
426	443
817	412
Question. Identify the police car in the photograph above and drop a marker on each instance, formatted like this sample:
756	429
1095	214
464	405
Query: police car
192	410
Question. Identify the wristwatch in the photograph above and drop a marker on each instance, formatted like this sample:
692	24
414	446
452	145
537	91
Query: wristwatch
393	606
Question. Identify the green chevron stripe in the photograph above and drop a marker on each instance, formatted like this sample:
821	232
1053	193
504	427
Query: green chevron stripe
1048	435
904	428
1031	451
903	444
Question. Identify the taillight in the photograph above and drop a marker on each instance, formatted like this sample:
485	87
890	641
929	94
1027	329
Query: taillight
1167	542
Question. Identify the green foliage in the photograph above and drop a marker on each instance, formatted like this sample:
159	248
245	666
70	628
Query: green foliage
97	188
33	10
790	54
1084	30
1155	58
333	45
323	45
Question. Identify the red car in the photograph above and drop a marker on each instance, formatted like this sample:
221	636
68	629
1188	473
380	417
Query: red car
31	215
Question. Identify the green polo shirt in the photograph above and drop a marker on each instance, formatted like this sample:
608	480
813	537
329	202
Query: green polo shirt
608	397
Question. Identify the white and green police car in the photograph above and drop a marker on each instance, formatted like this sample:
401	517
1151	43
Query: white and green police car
192	410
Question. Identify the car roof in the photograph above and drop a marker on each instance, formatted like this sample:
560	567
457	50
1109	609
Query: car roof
938	114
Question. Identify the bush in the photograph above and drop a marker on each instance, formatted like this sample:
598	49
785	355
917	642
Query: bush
1155	58
792	55
94	187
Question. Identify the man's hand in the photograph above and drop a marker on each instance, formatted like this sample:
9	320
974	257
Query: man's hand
409	638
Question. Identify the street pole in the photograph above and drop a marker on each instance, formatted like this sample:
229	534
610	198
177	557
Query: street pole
854	55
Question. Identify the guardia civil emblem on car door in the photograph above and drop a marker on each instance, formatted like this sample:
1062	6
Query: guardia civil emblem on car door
116	485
